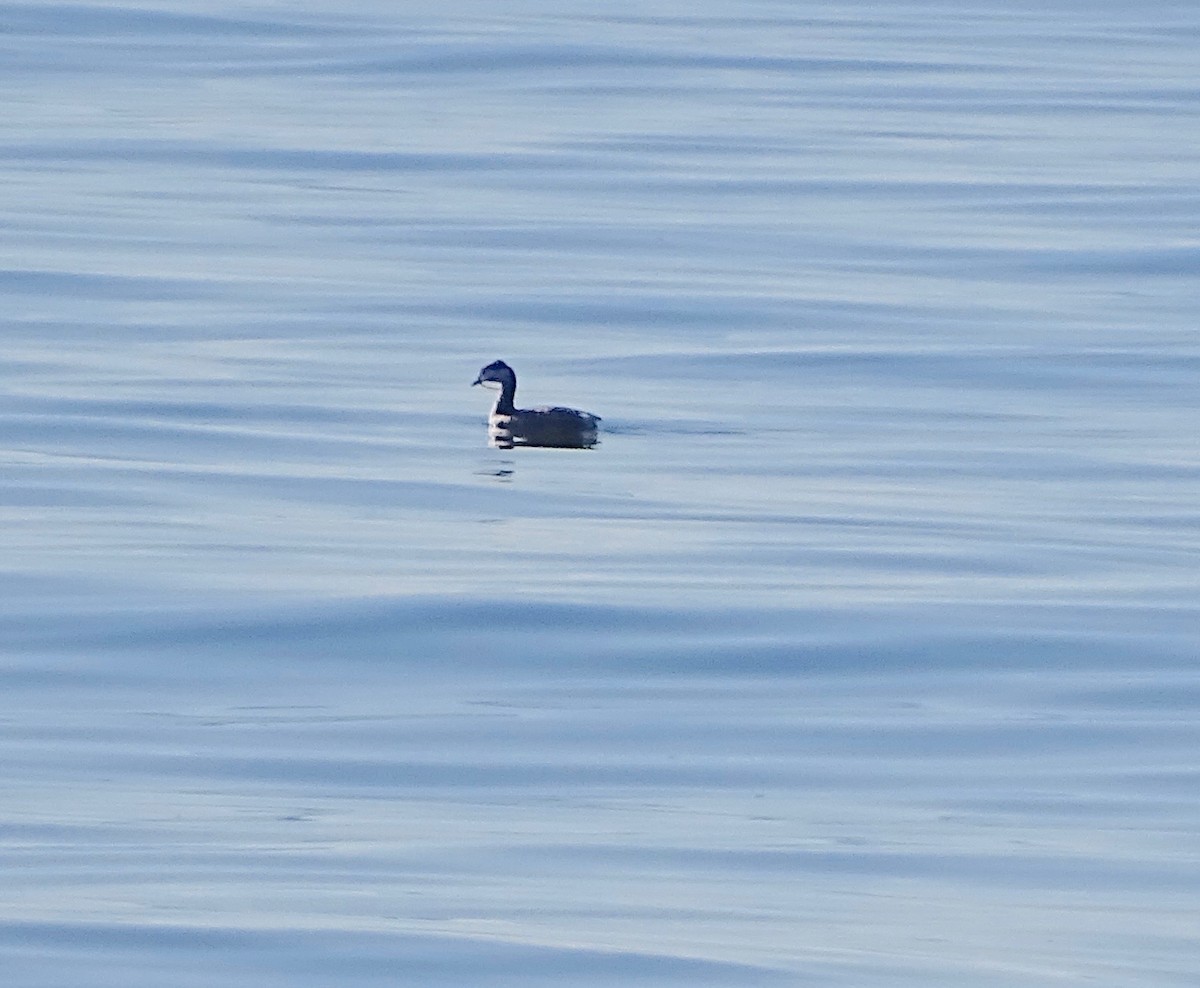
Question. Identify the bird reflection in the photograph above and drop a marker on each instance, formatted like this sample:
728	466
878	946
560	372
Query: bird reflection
503	472
509	426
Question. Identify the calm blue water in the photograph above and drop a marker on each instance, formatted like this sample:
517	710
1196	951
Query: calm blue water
861	652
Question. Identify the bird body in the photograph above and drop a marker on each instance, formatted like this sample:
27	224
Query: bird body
547	426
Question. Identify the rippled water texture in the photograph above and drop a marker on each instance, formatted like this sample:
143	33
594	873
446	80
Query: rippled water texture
861	650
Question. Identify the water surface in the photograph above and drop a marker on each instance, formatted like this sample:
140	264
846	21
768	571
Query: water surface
861	651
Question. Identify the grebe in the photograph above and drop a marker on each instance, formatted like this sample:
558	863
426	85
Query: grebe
511	426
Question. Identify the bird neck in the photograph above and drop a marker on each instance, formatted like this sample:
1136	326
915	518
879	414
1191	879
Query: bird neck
508	393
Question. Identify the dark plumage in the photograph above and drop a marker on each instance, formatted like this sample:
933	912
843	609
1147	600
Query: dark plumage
512	426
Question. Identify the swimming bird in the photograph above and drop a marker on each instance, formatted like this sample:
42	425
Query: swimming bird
510	426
